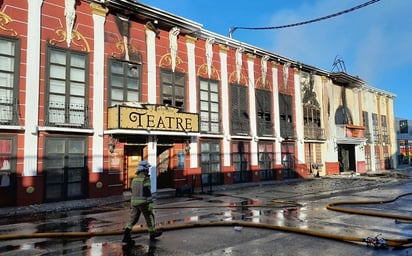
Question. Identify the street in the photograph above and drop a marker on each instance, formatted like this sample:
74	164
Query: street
202	224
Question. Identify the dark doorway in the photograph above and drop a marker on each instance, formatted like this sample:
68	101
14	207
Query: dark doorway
164	172
346	158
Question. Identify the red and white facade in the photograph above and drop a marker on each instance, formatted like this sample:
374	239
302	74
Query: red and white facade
90	88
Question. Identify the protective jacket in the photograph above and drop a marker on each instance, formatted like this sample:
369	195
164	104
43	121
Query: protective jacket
141	189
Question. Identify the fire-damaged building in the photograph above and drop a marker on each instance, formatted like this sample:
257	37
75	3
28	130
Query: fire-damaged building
90	88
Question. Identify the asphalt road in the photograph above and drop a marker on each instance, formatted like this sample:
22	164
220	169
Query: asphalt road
299	204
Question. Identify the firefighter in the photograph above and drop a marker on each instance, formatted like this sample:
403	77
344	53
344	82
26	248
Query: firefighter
141	202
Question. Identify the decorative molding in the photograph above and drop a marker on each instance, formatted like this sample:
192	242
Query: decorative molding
70	14
4	21
166	61
190	39
264	68
209	54
274	64
223	48
251	57
324	79
99	9
233	78
78	39
204	70
286	75
263	84
239	62
134	54
152	27
173	33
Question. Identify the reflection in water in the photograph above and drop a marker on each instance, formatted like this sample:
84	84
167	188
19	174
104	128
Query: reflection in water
139	249
278	213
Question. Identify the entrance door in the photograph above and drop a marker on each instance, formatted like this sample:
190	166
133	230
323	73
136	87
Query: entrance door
288	160
65	168
346	158
164	173
133	156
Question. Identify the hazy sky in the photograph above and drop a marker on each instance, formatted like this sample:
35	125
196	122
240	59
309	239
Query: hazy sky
374	42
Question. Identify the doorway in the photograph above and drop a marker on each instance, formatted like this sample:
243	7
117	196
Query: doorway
346	158
133	155
164	172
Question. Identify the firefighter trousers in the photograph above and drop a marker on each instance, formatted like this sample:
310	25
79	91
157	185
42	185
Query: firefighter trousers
147	214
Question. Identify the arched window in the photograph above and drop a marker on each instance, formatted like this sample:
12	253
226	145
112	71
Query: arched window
343	115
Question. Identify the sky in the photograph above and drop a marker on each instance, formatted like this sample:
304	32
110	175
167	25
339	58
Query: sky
374	42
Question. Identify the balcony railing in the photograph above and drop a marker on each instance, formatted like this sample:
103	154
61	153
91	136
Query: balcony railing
315	133
67	115
9	111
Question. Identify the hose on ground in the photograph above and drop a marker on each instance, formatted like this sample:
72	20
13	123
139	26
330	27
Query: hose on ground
334	207
396	243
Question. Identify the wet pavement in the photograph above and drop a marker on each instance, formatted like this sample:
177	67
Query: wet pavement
290	203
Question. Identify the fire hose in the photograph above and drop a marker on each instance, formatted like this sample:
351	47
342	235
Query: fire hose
375	241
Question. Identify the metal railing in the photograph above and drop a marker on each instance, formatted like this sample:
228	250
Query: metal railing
71	115
316	133
9	111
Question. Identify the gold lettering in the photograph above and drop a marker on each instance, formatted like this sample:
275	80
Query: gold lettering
150	117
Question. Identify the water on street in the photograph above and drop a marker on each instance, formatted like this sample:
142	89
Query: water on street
297	204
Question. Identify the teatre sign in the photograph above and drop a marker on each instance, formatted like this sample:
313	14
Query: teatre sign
152	117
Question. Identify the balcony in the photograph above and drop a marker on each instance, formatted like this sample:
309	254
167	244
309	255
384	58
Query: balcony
73	115
350	134
314	133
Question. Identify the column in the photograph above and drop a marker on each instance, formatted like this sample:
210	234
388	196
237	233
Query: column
99	16
275	95
225	105
151	97
191	70
151	65
299	118
252	106
32	87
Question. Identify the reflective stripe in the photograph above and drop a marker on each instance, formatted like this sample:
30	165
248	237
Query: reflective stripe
138	201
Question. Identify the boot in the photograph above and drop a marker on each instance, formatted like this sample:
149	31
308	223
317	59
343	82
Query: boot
127	238
155	234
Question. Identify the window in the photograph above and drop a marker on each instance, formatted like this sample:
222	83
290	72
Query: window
377	159
312	124
403	126
368	158
365	117
385	136
375	127
9	77
6	155
67	88
173	89
240	161
239	110
209	106
124	81
285	112
210	162
266	160
264	113
65	167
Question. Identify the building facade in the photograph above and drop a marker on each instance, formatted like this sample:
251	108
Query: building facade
404	142
90	88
